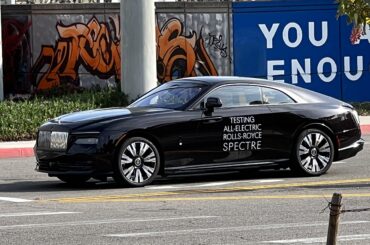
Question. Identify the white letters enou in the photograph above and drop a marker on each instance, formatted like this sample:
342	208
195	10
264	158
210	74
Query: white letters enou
320	69
271	71
347	68
298	69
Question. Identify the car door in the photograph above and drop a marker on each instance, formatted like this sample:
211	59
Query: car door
287	120
236	132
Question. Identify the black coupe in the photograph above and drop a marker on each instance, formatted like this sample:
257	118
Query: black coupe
201	124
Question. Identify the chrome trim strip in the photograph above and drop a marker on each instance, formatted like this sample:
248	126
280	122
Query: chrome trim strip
223	165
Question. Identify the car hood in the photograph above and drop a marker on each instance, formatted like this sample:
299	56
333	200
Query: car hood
103	114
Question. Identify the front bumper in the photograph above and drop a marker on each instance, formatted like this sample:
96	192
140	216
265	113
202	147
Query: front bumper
84	162
351	150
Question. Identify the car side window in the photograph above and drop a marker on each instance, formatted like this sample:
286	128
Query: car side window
273	96
237	95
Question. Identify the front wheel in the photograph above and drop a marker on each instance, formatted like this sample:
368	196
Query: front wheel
138	162
313	153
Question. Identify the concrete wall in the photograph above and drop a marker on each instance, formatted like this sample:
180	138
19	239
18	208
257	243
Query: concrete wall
54	45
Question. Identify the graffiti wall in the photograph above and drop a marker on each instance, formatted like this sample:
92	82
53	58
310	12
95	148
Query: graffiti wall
192	45
80	50
84	49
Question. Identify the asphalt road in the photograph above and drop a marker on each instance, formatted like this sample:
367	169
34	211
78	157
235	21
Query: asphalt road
268	207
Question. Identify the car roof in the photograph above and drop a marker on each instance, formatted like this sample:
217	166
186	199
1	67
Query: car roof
220	79
298	93
212	80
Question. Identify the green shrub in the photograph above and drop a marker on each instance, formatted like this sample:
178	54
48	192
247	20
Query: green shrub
20	120
363	108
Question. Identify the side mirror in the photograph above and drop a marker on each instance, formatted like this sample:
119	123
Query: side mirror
211	104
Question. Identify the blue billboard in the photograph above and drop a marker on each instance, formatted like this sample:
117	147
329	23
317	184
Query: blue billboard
302	43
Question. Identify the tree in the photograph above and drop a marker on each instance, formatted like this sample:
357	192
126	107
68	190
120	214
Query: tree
358	14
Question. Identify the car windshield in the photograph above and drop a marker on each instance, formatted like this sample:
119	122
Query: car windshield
170	96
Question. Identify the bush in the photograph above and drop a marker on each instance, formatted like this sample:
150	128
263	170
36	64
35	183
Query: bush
19	120
362	108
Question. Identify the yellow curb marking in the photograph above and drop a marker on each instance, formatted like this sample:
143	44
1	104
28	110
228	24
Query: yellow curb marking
167	196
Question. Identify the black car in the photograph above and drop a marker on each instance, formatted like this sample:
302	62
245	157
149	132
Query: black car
201	124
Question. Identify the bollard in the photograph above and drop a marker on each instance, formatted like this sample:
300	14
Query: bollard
335	209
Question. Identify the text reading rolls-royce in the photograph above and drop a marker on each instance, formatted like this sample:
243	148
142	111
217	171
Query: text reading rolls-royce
198	125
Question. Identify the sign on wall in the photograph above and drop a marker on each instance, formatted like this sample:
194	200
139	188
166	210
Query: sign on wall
302	43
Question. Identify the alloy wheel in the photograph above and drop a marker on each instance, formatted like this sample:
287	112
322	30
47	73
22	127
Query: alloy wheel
315	152
139	162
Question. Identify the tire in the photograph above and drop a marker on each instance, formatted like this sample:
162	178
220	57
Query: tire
313	153
138	163
74	179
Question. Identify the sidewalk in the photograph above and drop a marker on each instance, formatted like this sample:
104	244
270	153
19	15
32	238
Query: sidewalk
25	148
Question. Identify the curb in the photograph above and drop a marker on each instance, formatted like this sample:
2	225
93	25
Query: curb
16	152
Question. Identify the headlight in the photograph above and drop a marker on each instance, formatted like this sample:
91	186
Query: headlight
355	115
58	140
86	141
43	139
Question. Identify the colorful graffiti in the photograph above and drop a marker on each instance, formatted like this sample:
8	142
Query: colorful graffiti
17	54
179	55
94	45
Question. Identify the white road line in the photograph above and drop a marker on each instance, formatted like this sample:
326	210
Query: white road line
267	181
159	187
165	187
35	214
321	239
340	162
99	222
228	229
13	199
216	184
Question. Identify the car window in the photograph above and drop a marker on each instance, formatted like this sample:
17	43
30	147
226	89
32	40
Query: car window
237	95
273	96
173	98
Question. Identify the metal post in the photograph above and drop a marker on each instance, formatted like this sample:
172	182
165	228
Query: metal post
1	64
138	47
335	208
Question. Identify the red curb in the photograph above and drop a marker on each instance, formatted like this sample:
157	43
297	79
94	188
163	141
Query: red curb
16	152
365	129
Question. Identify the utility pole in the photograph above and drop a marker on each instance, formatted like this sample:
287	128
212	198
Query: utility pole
1	64
138	47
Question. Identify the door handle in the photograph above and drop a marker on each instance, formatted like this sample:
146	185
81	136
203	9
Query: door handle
211	120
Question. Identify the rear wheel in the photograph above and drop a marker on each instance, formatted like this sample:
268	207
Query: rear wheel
313	153
74	179
138	162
